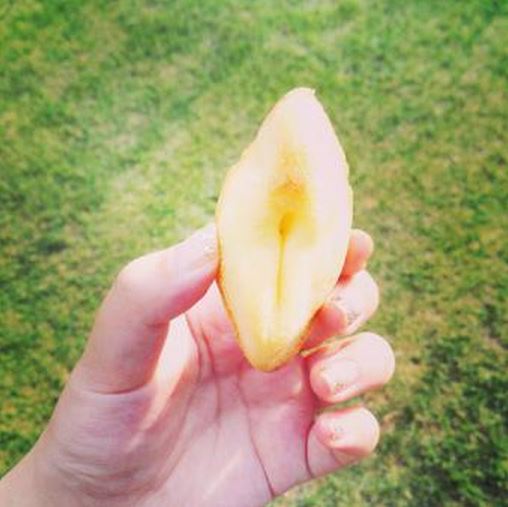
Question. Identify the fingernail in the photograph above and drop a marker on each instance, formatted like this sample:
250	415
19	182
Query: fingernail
340	374
350	314
335	431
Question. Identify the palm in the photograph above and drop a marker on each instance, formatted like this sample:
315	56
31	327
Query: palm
151	418
239	433
245	431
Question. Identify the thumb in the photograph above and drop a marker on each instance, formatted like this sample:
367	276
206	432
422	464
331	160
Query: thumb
132	323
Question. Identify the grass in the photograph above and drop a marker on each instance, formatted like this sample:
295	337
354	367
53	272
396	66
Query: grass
118	121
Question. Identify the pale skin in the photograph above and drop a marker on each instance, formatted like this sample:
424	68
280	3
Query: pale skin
163	410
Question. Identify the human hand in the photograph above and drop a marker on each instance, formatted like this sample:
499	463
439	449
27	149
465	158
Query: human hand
163	409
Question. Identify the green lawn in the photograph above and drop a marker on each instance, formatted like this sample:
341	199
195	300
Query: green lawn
118	121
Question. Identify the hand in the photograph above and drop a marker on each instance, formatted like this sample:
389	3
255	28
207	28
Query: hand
163	410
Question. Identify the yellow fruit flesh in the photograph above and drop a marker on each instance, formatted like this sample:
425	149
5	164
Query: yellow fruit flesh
283	222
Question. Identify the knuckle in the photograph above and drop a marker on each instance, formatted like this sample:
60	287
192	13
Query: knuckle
374	341
371	431
130	279
382	350
371	289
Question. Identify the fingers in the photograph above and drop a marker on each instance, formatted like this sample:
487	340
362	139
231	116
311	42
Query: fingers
353	301
132	324
350	368
340	438
337	374
355	298
360	249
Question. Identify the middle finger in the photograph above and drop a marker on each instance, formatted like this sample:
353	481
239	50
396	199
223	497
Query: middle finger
351	367
351	304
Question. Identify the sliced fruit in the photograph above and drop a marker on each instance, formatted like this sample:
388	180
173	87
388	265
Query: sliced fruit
283	219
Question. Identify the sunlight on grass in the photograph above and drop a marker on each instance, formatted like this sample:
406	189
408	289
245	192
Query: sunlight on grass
118	123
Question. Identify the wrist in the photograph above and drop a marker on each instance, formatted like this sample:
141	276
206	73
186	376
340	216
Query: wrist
33	481
20	487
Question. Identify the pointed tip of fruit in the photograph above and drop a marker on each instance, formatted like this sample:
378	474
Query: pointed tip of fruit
301	90
298	95
270	362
